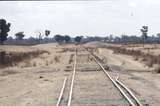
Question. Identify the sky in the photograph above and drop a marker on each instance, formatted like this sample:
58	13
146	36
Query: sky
87	18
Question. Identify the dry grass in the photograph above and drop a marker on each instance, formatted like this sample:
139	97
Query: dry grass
8	72
66	50
57	59
34	64
148	58
47	63
12	58
71	58
157	68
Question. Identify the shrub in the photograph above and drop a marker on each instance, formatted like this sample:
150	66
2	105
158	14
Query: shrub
15	57
71	58
157	68
149	59
34	64
57	59
47	63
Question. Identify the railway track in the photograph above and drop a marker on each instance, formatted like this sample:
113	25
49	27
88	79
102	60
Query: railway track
65	98
83	98
125	91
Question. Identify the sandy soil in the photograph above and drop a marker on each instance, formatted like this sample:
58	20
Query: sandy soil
30	88
34	85
124	62
39	83
138	77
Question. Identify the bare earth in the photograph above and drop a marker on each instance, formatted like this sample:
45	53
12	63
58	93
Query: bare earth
40	81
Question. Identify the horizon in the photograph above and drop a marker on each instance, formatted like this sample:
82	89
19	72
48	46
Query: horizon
86	18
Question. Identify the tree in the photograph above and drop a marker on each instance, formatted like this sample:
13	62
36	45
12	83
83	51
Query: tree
106	39
98	38
78	39
39	36
158	36
117	39
4	29
19	35
144	31
32	40
47	32
67	38
124	38
10	38
111	38
59	38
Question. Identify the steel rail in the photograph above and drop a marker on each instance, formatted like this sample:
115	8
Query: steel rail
72	82
61	93
113	81
129	91
121	91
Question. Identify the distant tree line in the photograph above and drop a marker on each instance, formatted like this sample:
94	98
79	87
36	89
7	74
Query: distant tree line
61	39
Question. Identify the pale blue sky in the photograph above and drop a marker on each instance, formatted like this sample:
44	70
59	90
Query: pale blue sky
91	18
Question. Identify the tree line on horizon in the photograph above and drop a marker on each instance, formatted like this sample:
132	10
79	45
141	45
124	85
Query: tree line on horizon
43	38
